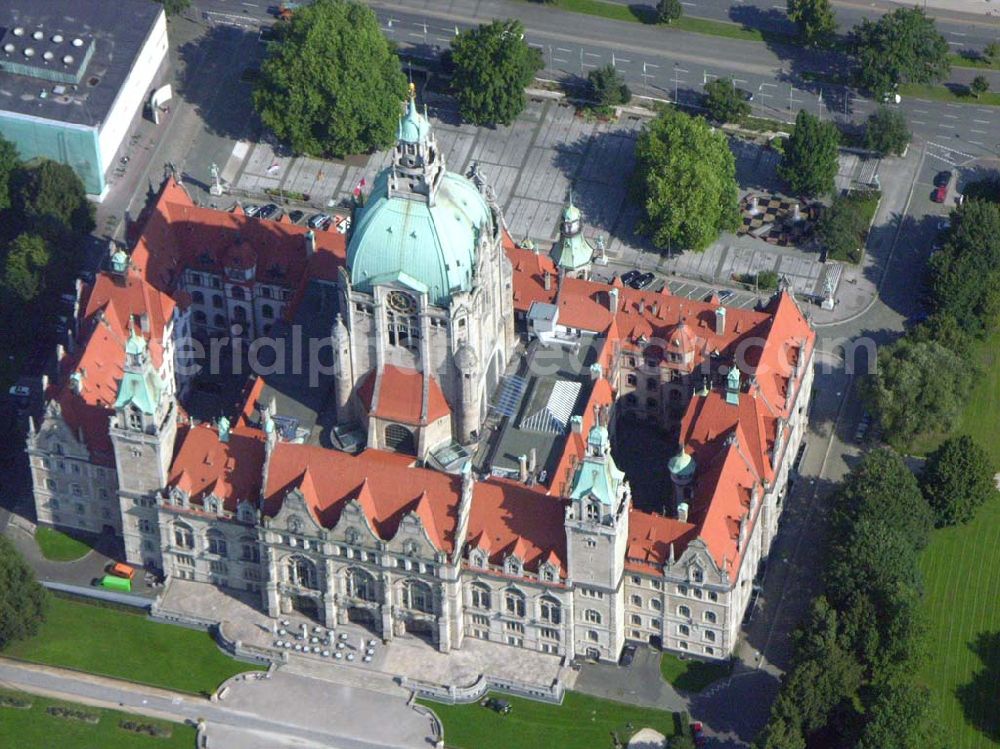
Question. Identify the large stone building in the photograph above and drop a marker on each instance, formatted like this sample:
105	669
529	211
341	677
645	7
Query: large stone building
426	443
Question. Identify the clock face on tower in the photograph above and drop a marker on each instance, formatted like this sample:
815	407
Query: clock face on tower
401	302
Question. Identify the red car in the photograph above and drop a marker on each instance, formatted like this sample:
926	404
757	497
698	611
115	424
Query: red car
940	194
698	733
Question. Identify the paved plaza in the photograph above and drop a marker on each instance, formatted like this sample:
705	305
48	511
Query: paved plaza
318	647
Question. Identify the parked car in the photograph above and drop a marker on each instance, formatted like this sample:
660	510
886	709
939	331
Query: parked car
744	94
941	179
318	219
270	211
628	654
499	706
940	194
698	733
251	210
629	276
643	281
726	294
120	569
296	216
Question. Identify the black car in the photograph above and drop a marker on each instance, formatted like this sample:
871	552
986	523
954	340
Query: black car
628	655
296	216
499	706
941	179
642	281
628	277
270	211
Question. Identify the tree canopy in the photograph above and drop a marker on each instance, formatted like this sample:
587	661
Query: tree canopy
48	198
668	11
842	228
23	602
493	65
815	20
920	387
724	101
23	274
963	278
331	83
903	46
886	131
957	479
175	7
809	164
8	163
685	182
607	87
980	85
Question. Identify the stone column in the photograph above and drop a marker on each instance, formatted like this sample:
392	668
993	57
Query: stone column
330	596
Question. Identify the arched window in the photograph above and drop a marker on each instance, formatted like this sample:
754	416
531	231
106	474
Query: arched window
480	596
267	311
361	585
197	297
419	596
302	572
183	536
593	511
217	301
220	321
200	317
514	602
656	604
239	292
240	313
684	611
217	543
710	617
400	439
249	550
134	419
551	612
592	615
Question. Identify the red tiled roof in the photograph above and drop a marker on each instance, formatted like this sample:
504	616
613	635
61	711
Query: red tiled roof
204	465
401	395
576	443
649	540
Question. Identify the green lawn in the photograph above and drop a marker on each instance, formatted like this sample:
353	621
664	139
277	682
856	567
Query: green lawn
34	728
58	546
691	675
961	61
942	93
581	722
961	569
127	645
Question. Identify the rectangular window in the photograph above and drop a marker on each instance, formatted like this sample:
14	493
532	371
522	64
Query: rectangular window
550	647
251	573
482	621
511	639
514	627
184	560
219	568
550	634
145	526
637	620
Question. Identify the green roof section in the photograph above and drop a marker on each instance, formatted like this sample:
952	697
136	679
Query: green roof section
413	126
141	390
429	248
597	475
572	252
682	464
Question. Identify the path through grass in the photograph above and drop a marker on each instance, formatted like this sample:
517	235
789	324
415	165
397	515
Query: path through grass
126	645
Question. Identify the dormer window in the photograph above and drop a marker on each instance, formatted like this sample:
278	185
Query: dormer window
352	536
478	559
135	419
697	575
410	548
513	565
212	505
594	512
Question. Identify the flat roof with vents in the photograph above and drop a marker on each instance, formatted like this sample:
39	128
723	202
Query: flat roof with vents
66	61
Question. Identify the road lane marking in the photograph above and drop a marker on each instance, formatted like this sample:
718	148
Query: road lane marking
951	116
920	111
563	49
918	122
945	124
982	122
980	132
977	143
591	54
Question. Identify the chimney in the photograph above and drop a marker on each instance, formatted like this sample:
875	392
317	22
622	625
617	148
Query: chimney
144	323
655	309
60	352
522	468
45	383
720	321
682	512
310	243
613	300
547	281
576	424
533	460
642	306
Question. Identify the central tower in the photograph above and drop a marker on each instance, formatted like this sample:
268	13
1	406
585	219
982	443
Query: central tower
427	322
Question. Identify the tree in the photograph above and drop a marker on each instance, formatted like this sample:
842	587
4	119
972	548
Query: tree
903	46
815	19
685	182
963	278
332	84
48	198
607	87
991	52
919	387
23	602
8	163
668	11
724	101
841	228
493	65
24	266
810	161
957	479
900	718
944	329
979	86
886	131
175	7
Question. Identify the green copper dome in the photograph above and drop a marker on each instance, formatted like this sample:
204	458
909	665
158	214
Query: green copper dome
414	127
429	248
681	464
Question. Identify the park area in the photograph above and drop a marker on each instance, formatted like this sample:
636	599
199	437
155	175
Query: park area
31	722
57	546
581	722
961	568
692	675
125	644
